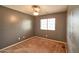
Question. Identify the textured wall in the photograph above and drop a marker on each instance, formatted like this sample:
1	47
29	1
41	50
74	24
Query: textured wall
59	33
73	28
13	25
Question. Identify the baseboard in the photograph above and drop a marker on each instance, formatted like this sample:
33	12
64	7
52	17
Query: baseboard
31	38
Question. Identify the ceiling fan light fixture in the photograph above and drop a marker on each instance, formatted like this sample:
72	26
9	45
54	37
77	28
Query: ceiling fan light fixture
35	13
36	10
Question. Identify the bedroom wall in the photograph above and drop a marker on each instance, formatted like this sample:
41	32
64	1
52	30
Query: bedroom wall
60	32
73	28
14	24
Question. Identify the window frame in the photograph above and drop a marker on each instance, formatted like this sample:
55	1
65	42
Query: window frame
48	24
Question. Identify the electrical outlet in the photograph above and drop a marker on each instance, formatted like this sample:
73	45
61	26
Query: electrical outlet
46	35
19	38
23	36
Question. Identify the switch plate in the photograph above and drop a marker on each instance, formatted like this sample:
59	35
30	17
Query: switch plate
19	38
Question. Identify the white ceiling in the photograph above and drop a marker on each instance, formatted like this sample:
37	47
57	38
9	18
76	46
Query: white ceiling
45	9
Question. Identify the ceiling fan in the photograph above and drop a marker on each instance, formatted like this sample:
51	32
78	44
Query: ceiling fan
36	10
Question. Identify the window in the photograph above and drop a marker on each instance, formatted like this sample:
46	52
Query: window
47	24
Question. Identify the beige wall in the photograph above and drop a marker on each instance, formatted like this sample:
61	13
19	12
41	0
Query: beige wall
59	33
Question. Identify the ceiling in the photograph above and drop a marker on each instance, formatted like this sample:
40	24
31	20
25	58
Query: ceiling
44	9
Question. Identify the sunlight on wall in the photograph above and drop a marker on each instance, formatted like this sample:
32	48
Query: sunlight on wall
13	19
26	25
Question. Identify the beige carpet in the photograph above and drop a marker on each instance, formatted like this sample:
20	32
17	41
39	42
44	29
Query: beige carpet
37	45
